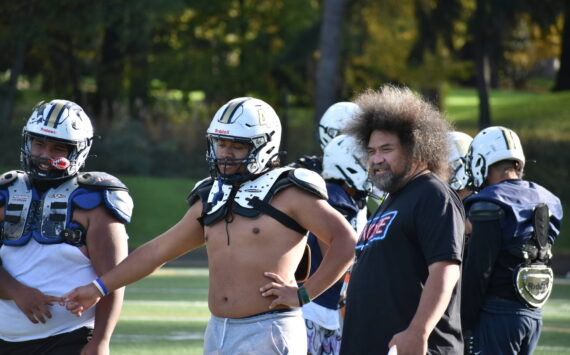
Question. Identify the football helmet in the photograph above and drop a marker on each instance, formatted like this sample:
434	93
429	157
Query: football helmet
334	120
58	121
459	143
342	161
250	121
489	146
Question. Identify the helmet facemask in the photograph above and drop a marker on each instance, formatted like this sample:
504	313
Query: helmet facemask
459	176
218	166
459	144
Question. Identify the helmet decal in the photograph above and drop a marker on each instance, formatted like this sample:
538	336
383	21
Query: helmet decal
229	115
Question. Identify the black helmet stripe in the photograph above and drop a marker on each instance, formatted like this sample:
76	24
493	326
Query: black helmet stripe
230	111
508	139
54	114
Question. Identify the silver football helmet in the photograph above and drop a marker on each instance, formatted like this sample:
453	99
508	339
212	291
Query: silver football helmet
489	146
459	143
334	120
58	121
342	160
250	121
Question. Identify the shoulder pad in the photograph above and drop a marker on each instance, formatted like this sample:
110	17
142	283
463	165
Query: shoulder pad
100	180
311	162
485	211
199	188
310	181
120	203
9	177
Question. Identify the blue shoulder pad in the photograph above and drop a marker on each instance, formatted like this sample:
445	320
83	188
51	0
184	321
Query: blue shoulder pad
115	195
120	203
7	178
100	180
485	211
310	181
197	193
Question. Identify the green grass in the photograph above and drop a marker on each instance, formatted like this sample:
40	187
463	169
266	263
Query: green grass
532	115
167	312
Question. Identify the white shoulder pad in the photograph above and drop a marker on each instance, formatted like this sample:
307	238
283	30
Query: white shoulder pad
9	177
259	187
310	181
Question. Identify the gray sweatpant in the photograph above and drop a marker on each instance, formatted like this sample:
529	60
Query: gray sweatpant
268	333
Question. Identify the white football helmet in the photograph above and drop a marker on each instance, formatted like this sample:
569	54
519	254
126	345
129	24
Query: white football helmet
250	121
459	143
342	161
334	120
492	145
58	121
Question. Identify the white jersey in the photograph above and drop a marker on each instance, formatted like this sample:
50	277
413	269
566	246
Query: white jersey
54	269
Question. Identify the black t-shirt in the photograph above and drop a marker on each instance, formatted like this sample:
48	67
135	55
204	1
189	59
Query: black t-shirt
423	223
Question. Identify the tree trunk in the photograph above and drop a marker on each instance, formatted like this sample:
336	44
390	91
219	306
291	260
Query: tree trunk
563	76
137	56
328	64
74	74
483	82
16	70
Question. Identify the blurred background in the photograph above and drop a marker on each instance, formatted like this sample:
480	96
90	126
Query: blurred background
151	73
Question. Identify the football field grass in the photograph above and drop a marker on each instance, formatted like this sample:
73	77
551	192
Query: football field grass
167	312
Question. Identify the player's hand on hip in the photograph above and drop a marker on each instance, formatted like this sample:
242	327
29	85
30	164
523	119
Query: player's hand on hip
285	293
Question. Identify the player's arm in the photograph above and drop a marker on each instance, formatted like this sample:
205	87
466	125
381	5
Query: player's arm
316	215
31	301
186	235
442	278
107	247
333	230
484	247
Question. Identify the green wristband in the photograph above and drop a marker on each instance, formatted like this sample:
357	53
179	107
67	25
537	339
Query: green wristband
303	296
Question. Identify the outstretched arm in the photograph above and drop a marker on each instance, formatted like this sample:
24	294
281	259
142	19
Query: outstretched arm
186	235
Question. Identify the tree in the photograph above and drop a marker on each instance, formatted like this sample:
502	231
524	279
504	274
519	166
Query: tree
329	56
18	39
563	76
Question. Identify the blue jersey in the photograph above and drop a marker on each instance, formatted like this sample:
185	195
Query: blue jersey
342	202
518	198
